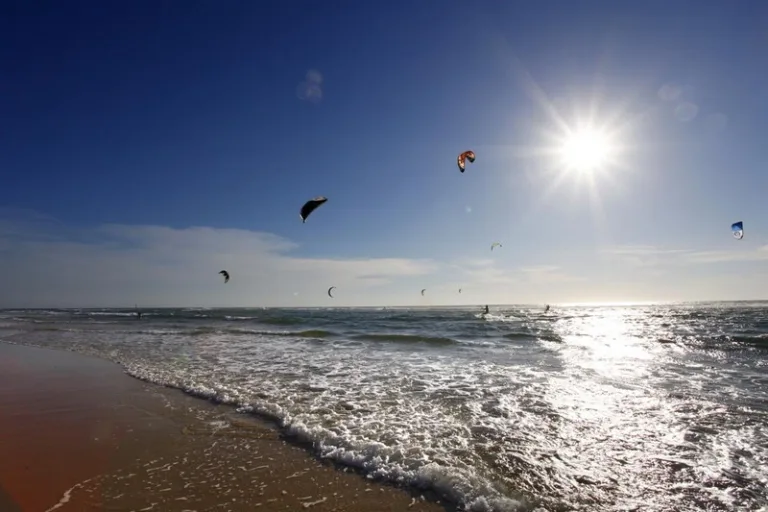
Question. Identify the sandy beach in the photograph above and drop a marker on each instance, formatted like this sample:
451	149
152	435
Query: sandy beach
77	434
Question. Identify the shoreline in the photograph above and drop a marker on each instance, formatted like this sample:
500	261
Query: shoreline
87	436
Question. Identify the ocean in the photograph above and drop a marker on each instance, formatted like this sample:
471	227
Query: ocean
589	408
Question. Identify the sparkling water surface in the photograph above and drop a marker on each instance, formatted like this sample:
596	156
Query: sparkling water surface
594	408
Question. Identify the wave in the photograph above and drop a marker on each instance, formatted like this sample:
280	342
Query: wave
735	342
309	333
313	333
280	320
460	486
405	338
490	317
723	342
530	336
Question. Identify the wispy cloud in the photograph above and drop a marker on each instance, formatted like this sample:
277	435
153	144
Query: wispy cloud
485	272
759	254
311	88
639	250
645	255
641	255
490	275
119	265
670	92
46	263
548	274
539	269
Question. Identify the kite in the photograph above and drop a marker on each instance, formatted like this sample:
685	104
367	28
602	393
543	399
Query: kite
738	230
226	275
461	160
329	291
311	206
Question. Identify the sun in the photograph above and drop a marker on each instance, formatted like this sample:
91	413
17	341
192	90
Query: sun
586	150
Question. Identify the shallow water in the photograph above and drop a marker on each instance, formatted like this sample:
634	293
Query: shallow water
651	408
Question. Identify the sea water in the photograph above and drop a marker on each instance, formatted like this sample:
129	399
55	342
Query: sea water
599	408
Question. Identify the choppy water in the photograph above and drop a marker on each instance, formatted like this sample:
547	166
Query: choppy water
652	408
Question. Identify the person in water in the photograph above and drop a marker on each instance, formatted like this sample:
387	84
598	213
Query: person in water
486	310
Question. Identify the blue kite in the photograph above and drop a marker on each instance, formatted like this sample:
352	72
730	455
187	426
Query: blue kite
738	230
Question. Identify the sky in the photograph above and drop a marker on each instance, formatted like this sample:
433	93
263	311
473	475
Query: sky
145	146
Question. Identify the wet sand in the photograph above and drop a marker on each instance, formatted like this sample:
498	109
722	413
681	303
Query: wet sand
77	434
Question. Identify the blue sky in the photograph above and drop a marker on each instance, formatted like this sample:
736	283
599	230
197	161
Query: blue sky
145	146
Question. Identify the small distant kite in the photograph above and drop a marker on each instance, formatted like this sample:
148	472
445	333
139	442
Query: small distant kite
459	290
462	159
422	291
311	206
226	275
329	291
738	230
494	244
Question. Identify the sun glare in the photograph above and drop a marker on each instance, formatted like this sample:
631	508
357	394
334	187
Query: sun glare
586	150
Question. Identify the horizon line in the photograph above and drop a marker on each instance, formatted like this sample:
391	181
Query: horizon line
412	306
